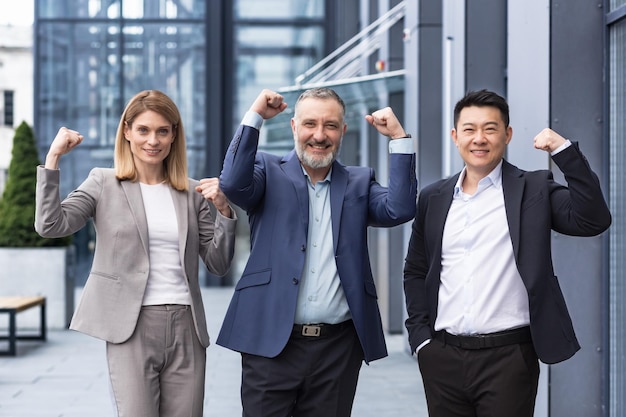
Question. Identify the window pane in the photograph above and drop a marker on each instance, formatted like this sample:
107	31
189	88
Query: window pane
164	9
86	80
277	9
103	9
8	108
129	9
272	57
614	4
170	58
79	88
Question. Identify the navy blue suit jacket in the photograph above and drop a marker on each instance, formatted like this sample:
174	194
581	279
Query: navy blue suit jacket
535	204
273	191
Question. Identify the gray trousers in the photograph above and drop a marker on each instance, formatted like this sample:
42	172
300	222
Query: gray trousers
160	370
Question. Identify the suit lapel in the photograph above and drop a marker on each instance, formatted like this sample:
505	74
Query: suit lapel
513	189
180	206
438	208
133	196
293	170
338	186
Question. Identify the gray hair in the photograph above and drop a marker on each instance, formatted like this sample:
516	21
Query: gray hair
322	93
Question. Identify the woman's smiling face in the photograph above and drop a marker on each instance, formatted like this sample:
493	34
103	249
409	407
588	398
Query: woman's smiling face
150	137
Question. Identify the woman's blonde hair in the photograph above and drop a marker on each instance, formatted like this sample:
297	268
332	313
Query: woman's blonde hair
175	164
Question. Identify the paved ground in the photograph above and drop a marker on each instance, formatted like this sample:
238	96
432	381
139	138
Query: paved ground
66	377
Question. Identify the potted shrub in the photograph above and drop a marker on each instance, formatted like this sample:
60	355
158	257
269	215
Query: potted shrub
32	265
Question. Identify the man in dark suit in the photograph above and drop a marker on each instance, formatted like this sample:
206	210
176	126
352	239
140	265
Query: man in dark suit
482	298
304	314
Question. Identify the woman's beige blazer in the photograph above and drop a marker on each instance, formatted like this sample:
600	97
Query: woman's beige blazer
111	300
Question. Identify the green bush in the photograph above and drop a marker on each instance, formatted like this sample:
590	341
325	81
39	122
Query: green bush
17	207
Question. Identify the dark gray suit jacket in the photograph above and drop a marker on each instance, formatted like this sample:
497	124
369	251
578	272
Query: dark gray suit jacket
535	204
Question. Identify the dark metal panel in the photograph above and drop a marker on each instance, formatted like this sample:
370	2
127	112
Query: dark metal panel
219	91
429	71
577	112
486	45
343	19
219	98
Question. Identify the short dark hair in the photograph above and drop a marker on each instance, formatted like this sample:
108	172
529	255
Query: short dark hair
482	98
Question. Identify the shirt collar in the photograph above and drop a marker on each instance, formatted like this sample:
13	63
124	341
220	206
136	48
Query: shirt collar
326	178
493	178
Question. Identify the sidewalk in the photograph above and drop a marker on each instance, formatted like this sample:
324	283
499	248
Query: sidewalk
66	376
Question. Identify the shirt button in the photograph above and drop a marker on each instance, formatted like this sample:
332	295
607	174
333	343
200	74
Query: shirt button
295	281
302	248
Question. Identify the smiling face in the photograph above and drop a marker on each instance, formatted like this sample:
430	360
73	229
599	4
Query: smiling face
481	137
318	128
150	137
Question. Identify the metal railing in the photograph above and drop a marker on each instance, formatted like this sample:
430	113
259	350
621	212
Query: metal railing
347	60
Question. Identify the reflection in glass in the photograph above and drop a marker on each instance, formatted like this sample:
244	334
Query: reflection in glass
276	9
130	9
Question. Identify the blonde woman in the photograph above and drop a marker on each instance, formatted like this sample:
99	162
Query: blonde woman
152	225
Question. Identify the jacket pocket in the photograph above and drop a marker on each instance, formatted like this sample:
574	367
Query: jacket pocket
103	275
254	279
355	200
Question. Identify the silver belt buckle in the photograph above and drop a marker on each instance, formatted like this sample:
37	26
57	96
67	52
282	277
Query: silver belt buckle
311	330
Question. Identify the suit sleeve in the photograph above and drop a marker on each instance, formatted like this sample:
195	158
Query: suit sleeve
580	208
395	204
217	239
54	218
415	271
243	179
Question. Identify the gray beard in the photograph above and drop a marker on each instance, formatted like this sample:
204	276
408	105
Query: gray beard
315	163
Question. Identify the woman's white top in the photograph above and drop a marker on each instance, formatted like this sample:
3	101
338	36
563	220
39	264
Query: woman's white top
166	280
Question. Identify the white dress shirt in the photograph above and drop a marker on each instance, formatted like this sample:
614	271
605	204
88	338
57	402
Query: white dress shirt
481	290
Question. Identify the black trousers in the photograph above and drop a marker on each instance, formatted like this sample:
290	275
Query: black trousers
492	382
311	377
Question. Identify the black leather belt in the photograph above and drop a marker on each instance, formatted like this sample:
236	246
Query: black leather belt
486	341
319	329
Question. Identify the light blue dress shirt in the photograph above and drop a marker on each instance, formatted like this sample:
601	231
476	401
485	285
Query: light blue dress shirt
321	298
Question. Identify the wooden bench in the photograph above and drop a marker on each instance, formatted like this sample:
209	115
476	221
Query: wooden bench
14	305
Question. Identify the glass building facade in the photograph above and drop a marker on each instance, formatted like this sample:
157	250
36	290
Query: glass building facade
92	56
274	42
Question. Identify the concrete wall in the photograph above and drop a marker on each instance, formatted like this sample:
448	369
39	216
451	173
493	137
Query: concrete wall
39	271
16	74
